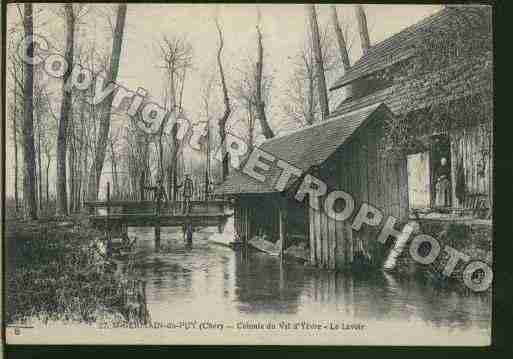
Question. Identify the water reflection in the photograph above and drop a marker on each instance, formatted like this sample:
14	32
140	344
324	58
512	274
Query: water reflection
210	280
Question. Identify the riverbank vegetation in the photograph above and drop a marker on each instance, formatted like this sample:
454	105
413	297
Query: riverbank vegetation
57	271
474	239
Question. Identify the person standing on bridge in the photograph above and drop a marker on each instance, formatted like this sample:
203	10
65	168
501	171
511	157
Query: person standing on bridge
188	188
159	192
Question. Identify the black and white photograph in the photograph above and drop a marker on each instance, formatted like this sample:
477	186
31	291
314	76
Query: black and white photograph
248	174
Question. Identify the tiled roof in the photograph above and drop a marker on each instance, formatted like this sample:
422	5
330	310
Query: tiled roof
303	148
396	48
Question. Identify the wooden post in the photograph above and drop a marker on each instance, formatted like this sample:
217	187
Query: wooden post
157	224
108	198
282	208
157	237
141	187
188	232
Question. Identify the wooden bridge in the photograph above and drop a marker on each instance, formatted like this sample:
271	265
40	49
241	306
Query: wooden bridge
115	216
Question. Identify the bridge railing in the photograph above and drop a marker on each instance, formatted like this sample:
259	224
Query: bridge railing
199	193
114	206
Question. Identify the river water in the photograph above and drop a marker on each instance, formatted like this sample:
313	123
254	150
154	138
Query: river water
214	282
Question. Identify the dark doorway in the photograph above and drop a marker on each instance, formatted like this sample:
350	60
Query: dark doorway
440	171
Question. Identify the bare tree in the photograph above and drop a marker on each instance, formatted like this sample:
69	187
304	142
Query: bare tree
29	178
16	70
302	101
111	76
319	65
89	123
342	46
62	196
245	92
113	140
260	104
176	55
206	99
136	160
227	109
48	150
362	28
40	113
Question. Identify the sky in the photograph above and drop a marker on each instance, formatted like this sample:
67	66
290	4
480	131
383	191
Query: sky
283	28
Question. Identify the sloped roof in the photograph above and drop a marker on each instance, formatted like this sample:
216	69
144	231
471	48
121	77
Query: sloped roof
403	96
303	148
394	49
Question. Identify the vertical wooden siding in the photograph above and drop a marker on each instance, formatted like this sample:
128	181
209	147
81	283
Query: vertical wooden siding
362	169
472	148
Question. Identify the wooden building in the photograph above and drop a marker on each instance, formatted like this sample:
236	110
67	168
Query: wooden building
388	73
344	152
349	152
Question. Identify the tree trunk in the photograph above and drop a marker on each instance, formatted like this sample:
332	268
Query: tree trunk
172	93
207	162
29	178
78	179
40	181
114	163
49	159
264	125
311	95
169	183
15	139
174	143
81	152
342	46
84	170
227	110
62	196
97	165
362	28
251	128
72	161
316	46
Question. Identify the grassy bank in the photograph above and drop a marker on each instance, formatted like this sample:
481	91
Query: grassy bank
56	271
472	239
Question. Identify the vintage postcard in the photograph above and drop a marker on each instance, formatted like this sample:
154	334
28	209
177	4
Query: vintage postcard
263	174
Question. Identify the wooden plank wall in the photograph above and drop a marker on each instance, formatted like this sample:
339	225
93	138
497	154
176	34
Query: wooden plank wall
473	149
364	170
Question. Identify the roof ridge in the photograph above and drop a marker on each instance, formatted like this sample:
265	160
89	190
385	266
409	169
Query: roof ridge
390	42
322	123
425	21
